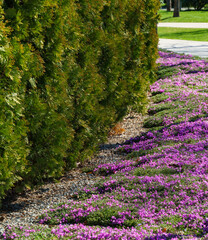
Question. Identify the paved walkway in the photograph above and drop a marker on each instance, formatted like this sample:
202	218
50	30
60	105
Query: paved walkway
194	48
183	25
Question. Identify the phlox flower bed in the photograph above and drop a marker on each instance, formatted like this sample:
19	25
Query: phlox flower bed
160	191
76	231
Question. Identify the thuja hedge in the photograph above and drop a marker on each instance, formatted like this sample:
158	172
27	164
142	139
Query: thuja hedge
69	69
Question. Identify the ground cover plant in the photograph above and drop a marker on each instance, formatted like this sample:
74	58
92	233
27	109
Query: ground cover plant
185	16
160	191
198	34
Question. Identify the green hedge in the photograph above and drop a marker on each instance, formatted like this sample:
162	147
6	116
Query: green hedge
69	71
13	130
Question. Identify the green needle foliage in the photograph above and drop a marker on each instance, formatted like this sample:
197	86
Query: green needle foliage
69	71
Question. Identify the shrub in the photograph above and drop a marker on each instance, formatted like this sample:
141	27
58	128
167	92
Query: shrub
71	70
37	28
115	54
13	137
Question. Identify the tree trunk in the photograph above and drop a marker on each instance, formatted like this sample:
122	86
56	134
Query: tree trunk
176	8
168	3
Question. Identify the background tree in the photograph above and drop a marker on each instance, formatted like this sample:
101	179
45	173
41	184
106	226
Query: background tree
169	3
176	8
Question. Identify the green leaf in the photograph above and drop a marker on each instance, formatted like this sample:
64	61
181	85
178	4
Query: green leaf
33	83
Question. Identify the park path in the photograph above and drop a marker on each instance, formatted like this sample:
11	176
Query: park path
195	48
183	25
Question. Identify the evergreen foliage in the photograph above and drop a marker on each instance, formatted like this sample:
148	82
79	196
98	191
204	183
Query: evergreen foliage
197	4
69	71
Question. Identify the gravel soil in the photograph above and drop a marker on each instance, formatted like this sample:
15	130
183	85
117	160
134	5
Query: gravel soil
24	209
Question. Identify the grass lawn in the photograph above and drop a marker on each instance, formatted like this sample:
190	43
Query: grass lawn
185	16
196	34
